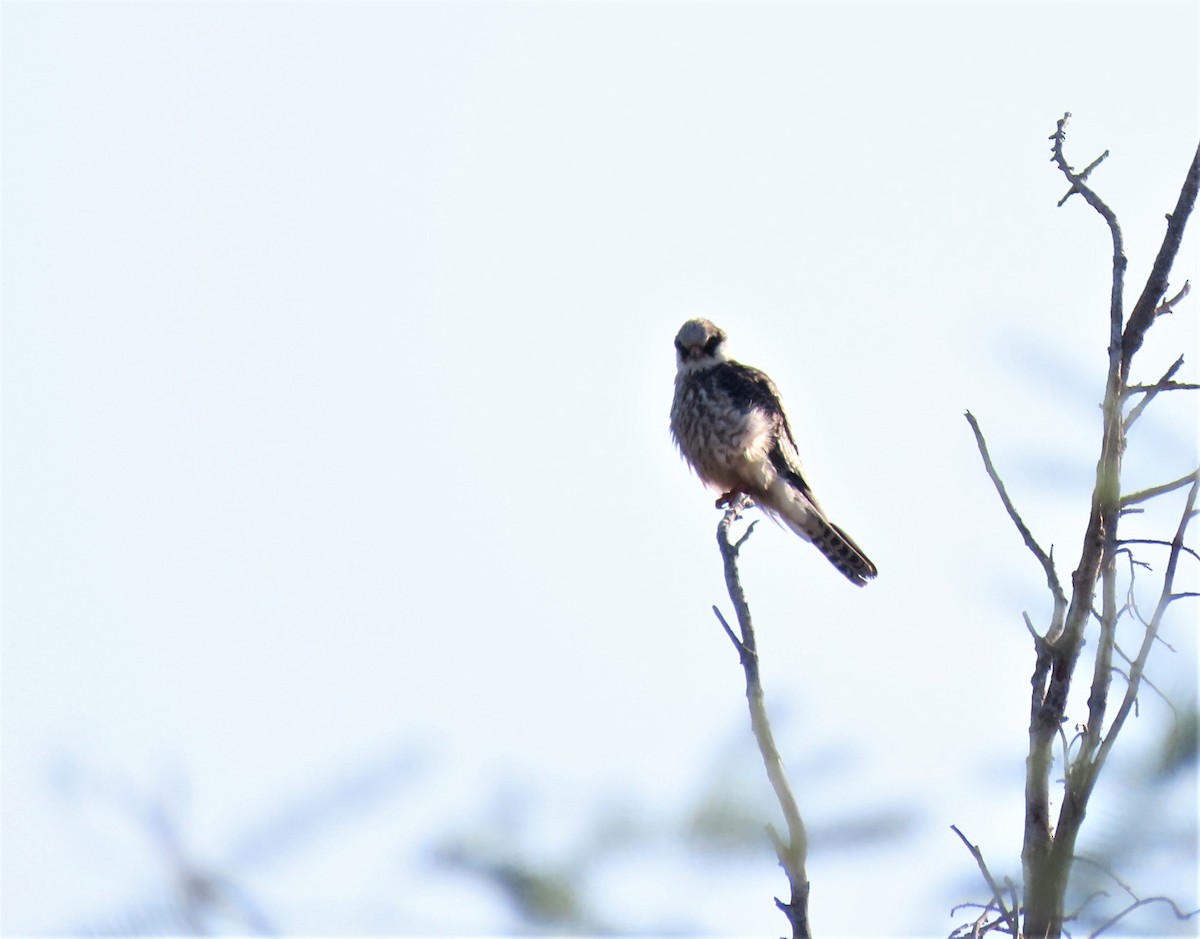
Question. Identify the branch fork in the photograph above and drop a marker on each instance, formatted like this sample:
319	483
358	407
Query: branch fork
792	852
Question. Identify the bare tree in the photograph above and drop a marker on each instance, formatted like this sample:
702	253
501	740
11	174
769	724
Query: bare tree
1100	592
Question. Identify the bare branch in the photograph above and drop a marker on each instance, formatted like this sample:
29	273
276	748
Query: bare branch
1010	915
1165	544
1162	490
1066	748
1179	914
1152	392
1095	895
737	643
969	905
745	535
1105	869
1138	665
1083	176
1153	687
1146	309
981	926
1137	901
1168	306
1037	638
1079	184
1166	386
1047	562
793	853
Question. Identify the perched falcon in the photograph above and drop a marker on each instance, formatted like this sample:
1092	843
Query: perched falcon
729	424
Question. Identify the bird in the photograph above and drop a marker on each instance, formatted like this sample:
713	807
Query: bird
728	422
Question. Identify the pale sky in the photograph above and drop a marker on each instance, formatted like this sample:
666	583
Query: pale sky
337	357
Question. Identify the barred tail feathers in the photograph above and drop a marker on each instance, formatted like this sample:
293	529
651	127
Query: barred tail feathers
845	555
807	521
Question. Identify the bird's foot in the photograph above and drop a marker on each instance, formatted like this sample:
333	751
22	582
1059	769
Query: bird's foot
735	499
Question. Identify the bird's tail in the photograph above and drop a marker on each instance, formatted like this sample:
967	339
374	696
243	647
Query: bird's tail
844	554
811	525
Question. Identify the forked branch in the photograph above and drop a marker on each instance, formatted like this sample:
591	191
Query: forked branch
1163	384
792	853
1079	184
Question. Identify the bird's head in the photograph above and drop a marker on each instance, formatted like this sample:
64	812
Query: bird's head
699	343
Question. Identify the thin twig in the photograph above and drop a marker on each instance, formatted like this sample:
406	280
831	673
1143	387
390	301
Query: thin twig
1066	748
1146	680
1046	560
980	926
1037	637
1168	306
737	643
1179	913
1010	916
1095	895
1084	175
1105	869
1168	386
1143	495
1165	544
1079	184
1152	392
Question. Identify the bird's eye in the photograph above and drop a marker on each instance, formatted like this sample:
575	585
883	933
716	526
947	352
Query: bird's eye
710	347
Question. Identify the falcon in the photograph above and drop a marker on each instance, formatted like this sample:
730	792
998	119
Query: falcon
728	422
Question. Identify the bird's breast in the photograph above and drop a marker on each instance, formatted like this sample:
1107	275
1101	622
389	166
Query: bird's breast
725	441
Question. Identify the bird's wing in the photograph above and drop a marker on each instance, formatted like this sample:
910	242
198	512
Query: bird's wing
743	383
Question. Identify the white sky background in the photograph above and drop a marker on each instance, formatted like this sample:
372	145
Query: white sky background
337	361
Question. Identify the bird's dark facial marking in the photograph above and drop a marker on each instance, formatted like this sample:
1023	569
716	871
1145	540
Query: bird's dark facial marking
679	348
710	347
